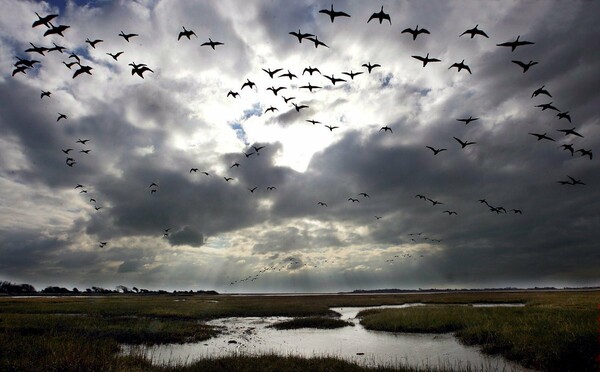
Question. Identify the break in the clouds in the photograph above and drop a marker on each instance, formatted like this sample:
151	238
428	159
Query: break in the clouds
192	187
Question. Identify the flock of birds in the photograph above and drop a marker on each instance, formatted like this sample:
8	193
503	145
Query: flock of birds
23	65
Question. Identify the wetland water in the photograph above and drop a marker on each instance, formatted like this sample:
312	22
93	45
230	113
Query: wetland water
252	336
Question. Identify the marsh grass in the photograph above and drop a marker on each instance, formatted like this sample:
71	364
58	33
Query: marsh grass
319	322
544	338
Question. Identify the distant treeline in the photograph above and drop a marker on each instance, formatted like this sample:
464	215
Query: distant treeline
28	289
420	290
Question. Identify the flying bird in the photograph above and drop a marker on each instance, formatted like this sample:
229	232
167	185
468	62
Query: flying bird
36	49
56	30
153	184
257	149
44	20
273	109
195	170
310	87
317	41
313	122
333	79
139	69
252	189
275	90
271	187
467	120
20	69
570	131
524	65
333	13
127	36
416	32
69	65
289	75
460	66
386	129
299	107
286	99
474	31
73	55
585	153
370	67
227	179
186	33
352	74
249	84
450	213
547	106
61	116
381	15
354	200
25	62
93	43
66	151
83	142
426	59
233	94
322	204
434	202
115	56
539	91
564	115
574	181
435	151
464	143
85	151
542	136
568	147
330	128
79	186
310	70
237	165
300	35
83	70
211	43
92	200
516	211
514	44
364	194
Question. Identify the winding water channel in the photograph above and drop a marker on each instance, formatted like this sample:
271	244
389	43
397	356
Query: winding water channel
252	336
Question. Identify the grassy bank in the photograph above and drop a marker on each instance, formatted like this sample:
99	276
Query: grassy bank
540	337
319	322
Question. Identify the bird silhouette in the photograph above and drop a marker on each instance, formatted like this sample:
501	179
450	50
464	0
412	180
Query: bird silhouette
115	56
378	217
237	165
354	200
273	109
426	59
435	151
460	66
69	65
227	179
233	94
317	41
310	87
36	49
386	129
248	154
381	15
289	75
416	32
79	186
516	211
539	91
20	69
257	149
66	151
252	189
127	36
211	43
364	194
299	107
310	70
514	44
585	153
333	79
248	84
275	90
286	99
195	170
464	143
186	33
370	67
44	20
332	13
102	244
450	213
524	65
300	35
313	122
568	147
83	70
421	196
467	120
547	106
93	43
25	62
153	184
153	191
542	136
73	55
58	30
322	204
352	74
85	151
564	115
61	116
474	31
434	202
570	131
331	128
97	208
271	188
574	181
83	142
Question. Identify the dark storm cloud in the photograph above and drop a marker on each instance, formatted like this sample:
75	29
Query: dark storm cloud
187	236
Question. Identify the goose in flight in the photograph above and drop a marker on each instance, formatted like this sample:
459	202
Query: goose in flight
460	66
286	99
381	15
333	79
66	151
236	164
271	188
115	56
464	143
568	147
186	33
102	244
317	41
271	73
289	75
547	106
249	84
570	131
257	149
127	36
44	20
585	153
83	70
82	191
195	170
474	31
153	184
514	44
450	213
378	217
139	69
310	87
227	179
93	43
73	55
415	32
313	122
386	129
20	69
354	200
92	200
271	109
434	202
370	67
539	91
70	162
153	191
275	90
524	65
58	30
426	59
299	107
574	181
211	43
516	211
352	74
421	196
322	204
542	136
300	35
435	151
45	94
36	49
252	189
233	94
97	208
248	154
333	13
330	128
83	142
25	62
564	115
206	173
310	70
467	120
70	64
364	194
85	151
61	116
79	186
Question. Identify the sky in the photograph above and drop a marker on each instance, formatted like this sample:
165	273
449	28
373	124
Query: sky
221	235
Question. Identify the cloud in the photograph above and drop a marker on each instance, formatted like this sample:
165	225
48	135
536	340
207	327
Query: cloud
187	236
